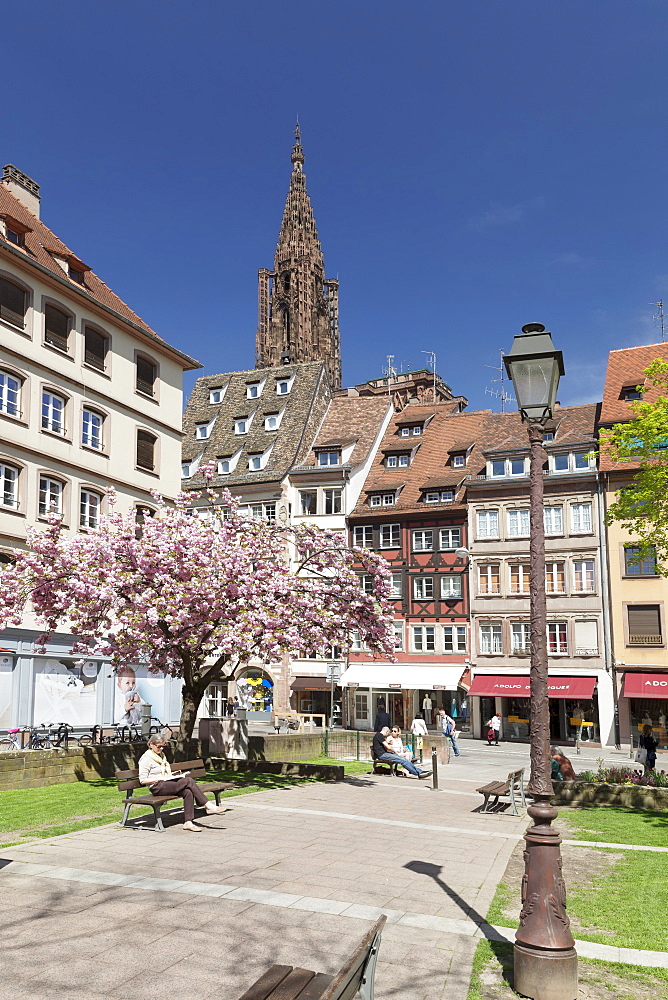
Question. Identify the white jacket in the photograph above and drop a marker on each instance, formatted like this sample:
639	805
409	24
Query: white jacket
419	727
153	767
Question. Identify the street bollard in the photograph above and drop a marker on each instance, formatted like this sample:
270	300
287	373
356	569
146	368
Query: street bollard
146	710
434	771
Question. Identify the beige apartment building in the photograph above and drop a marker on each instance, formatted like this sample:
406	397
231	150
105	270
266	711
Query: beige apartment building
638	595
90	398
580	679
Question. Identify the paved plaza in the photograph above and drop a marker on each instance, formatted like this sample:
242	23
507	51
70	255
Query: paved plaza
290	876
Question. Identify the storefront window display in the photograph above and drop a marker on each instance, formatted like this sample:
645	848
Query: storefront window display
66	691
454	702
649	712
256	692
569	720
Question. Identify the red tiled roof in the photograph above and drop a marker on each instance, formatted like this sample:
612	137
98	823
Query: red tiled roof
351	418
626	367
40	246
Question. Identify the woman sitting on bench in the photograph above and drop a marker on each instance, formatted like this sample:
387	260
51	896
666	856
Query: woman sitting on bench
156	772
384	753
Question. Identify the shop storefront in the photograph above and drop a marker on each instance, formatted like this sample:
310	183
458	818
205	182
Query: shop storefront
312	696
574	713
647	698
401	690
255	691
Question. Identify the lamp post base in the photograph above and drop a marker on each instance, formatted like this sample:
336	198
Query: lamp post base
546	974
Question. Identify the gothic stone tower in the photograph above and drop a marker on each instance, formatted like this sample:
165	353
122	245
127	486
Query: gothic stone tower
298	307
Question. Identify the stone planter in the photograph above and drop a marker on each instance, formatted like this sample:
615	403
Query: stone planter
575	793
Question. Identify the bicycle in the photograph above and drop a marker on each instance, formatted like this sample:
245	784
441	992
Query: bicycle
39	739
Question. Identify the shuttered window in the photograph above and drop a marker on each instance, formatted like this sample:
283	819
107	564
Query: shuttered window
145	450
146	375
96	346
56	327
586	638
644	625
13	303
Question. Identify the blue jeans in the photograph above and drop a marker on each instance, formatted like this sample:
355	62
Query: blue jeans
453	743
394	758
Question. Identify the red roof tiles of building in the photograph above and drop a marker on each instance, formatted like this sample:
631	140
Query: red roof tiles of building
626	369
505	432
42	247
431	459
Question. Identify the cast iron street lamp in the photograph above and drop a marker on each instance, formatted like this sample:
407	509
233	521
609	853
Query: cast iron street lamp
546	965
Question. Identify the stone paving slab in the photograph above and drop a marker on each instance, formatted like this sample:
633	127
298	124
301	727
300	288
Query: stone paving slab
113	914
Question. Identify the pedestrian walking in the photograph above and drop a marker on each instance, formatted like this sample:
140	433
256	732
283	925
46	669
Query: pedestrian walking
493	730
649	743
448	728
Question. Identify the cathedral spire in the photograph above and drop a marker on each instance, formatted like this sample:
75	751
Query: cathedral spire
298	307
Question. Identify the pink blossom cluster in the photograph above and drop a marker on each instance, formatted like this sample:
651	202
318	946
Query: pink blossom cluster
189	591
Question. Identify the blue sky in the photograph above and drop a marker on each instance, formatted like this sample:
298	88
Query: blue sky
473	166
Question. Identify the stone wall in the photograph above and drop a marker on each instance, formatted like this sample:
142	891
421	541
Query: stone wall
576	793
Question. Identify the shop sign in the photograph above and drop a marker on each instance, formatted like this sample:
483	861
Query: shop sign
439	687
395	686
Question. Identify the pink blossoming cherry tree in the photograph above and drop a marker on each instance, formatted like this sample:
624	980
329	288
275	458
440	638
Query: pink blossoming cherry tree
195	595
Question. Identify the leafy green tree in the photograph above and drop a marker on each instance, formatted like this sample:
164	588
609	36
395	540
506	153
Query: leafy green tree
641	506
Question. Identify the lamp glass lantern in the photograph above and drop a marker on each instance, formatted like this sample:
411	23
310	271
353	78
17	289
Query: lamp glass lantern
534	367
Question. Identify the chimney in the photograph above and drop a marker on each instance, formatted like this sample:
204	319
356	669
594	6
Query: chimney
22	187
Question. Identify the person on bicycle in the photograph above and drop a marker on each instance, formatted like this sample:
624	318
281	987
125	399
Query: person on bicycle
448	728
155	772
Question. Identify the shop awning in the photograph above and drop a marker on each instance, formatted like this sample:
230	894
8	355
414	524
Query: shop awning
517	686
310	684
645	685
404	676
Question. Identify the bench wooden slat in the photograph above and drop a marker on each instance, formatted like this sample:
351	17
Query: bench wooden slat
514	783
315	990
288	987
261	989
128	782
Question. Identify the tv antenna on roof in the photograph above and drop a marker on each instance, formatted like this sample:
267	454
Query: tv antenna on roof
658	317
431	360
500	393
390	372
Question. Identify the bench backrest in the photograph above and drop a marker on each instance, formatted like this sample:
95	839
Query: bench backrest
358	969
515	778
130	778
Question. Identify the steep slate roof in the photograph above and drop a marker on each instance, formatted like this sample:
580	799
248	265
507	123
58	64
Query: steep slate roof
40	246
305	407
626	367
350	419
430	465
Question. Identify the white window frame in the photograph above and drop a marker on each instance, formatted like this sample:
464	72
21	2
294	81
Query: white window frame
454	636
487	523
366	583
417	430
54	420
491	638
254	389
560	632
423	638
556	515
362	535
202	431
90	508
448	591
53	489
10	394
423	588
311	493
447	533
396	584
336	495
519	522
522	570
328	465
399	636
485	574
577	512
93	432
458	461
552	576
422	539
216	396
584	579
287	382
246	422
9	485
391	531
433	496
405	432
391	462
520	637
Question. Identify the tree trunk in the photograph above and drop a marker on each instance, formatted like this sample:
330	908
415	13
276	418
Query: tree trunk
192	696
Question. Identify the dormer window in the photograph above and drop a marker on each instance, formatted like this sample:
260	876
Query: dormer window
202	431
18	239
405	432
548	436
254	390
185	470
502	467
329	458
397	461
255	463
223	466
578	461
630	392
284	385
458	461
242	425
216	395
417	430
272	421
382	500
439	496
76	275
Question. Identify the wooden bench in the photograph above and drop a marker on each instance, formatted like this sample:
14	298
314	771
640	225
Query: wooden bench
128	781
383	763
283	982
512	786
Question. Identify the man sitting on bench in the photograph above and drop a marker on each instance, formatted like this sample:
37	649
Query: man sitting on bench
156	772
382	749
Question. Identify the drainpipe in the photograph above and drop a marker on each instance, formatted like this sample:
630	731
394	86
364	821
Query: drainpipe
605	598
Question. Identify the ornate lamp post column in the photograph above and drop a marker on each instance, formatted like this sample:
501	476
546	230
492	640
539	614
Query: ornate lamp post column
546	965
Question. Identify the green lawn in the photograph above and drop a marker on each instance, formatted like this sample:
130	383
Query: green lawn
623	981
616	825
